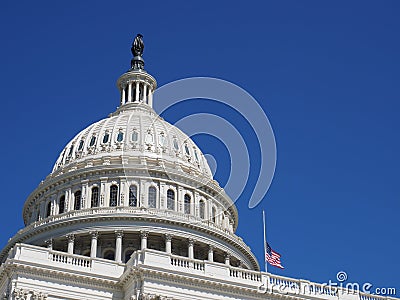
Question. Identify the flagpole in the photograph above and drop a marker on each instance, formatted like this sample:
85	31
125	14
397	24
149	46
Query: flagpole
265	244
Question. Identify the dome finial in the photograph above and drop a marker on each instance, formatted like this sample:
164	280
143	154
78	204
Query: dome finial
137	63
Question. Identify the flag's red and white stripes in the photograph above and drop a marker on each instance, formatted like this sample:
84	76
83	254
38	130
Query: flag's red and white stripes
272	257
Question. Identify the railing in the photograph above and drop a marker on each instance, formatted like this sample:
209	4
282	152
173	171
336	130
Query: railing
365	296
187	263
245	274
70	259
284	282
321	289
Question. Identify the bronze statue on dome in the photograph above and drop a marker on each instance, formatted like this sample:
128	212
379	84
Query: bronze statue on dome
138	45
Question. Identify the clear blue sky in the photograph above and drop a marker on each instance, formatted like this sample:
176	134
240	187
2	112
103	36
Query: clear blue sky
325	72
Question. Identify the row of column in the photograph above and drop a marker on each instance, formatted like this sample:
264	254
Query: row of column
148	99
143	245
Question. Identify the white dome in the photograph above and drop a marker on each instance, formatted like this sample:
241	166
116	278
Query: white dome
134	130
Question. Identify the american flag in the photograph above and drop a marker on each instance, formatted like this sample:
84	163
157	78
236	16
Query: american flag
272	257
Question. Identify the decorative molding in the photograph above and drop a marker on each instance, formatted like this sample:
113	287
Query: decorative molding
25	294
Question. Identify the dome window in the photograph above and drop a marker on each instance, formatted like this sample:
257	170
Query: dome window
176	145
92	141
133	196
78	198
187	150
95	197
106	137
113	195
71	150
135	136
62	156
196	156
149	138
120	137
152	197
61	205
214	215
202	209
48	209
187	201
81	143
170	199
161	139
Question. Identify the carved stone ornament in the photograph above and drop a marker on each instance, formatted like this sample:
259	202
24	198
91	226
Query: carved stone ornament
22	294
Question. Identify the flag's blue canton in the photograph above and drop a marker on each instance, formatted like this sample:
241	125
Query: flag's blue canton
269	250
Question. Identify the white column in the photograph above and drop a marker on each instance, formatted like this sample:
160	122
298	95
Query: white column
71	240
150	98
123	95
163	202
227	259
93	245
144	92
137	91
85	194
103	192
168	245
122	188
54	209
190	249
118	246
67	200
143	235
211	253
130	92
180	200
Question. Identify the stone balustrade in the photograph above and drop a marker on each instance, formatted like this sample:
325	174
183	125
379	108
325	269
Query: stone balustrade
264	283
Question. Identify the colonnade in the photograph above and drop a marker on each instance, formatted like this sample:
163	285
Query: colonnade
137	91
144	236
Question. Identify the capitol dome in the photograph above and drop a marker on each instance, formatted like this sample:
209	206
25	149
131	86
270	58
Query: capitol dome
133	131
129	182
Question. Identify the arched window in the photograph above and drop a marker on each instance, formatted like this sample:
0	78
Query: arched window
92	141
48	209
95	197
61	205
161	139
133	196
78	198
120	136
170	199
106	137
202	209
187	199
109	254
187	150
81	143
113	195
71	150
176	146
213	214
135	136
152	197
